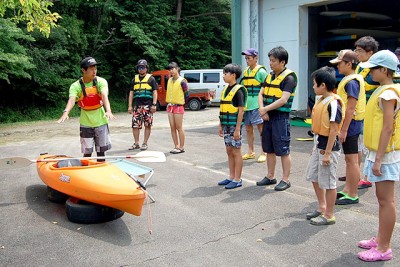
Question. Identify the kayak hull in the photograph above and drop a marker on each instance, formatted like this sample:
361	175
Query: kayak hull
97	182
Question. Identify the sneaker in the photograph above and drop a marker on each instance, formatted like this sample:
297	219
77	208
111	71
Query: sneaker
266	181
224	182
322	220
233	184
282	185
134	147
249	156
340	194
364	184
262	158
144	146
347	200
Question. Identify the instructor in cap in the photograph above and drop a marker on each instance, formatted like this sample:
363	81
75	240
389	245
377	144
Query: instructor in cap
91	93
144	91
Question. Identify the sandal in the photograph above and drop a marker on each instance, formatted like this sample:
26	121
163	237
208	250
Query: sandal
177	150
374	255
313	214
322	220
134	146
249	156
371	243
144	146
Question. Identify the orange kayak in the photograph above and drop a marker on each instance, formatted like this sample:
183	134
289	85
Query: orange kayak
97	182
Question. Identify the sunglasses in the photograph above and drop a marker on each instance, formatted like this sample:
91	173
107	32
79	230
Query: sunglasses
141	68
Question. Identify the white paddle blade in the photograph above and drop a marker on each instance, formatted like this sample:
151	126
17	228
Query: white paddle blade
15	162
150	156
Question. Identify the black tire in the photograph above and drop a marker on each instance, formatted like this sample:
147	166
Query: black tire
80	211
56	196
194	104
203	107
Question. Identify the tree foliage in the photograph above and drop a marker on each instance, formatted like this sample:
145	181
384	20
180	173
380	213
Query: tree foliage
117	33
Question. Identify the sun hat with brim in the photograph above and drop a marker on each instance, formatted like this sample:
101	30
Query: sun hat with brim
345	55
383	58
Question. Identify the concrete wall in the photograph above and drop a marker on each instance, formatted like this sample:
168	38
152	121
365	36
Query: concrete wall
284	23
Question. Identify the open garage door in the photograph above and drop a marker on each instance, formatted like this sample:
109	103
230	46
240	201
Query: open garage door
334	27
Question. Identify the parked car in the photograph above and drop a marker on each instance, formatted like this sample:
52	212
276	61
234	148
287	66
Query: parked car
206	79
198	98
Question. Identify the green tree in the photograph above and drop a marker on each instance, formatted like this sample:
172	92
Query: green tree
35	13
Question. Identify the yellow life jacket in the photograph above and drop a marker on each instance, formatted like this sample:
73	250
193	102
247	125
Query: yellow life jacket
369	84
228	112
142	88
361	102
175	93
91	98
320	115
273	92
373	122
252	85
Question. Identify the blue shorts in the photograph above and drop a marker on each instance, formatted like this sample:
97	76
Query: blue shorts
390	172
276	135
252	117
228	131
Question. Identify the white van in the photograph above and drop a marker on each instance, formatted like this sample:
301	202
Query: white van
206	79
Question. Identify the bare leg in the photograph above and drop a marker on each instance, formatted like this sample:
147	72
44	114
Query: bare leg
352	174
320	193
178	118
237	155
231	162
271	163
387	213
136	133
330	202
173	129
147	131
260	128
286	162
250	138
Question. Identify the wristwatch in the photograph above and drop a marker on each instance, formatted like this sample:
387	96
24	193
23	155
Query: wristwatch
154	105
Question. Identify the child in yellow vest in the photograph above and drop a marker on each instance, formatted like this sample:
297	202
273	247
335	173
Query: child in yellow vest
326	121
351	90
232	107
382	138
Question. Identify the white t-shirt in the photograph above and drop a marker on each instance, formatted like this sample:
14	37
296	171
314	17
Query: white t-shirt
394	156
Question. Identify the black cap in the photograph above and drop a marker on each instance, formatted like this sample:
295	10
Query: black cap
87	62
142	62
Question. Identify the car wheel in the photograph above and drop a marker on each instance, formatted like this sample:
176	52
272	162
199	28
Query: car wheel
80	211
56	196
194	104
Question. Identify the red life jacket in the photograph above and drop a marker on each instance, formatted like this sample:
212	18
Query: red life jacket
90	99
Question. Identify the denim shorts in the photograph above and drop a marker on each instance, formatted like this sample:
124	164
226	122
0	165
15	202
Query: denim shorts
276	135
228	131
252	117
390	172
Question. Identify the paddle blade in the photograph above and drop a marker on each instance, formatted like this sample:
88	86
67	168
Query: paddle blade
13	163
150	156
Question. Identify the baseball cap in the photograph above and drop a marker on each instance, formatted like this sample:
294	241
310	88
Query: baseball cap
383	58
142	62
87	62
250	52
345	55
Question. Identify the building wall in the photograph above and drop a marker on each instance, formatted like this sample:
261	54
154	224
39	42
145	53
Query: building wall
281	23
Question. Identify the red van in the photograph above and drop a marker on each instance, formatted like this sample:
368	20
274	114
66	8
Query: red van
198	98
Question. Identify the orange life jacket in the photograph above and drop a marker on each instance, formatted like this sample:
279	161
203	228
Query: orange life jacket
90	99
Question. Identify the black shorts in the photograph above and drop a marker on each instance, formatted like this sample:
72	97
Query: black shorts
350	146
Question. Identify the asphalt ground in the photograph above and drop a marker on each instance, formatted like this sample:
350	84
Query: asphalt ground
194	222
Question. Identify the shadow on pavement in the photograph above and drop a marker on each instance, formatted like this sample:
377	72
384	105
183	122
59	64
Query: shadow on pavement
114	232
